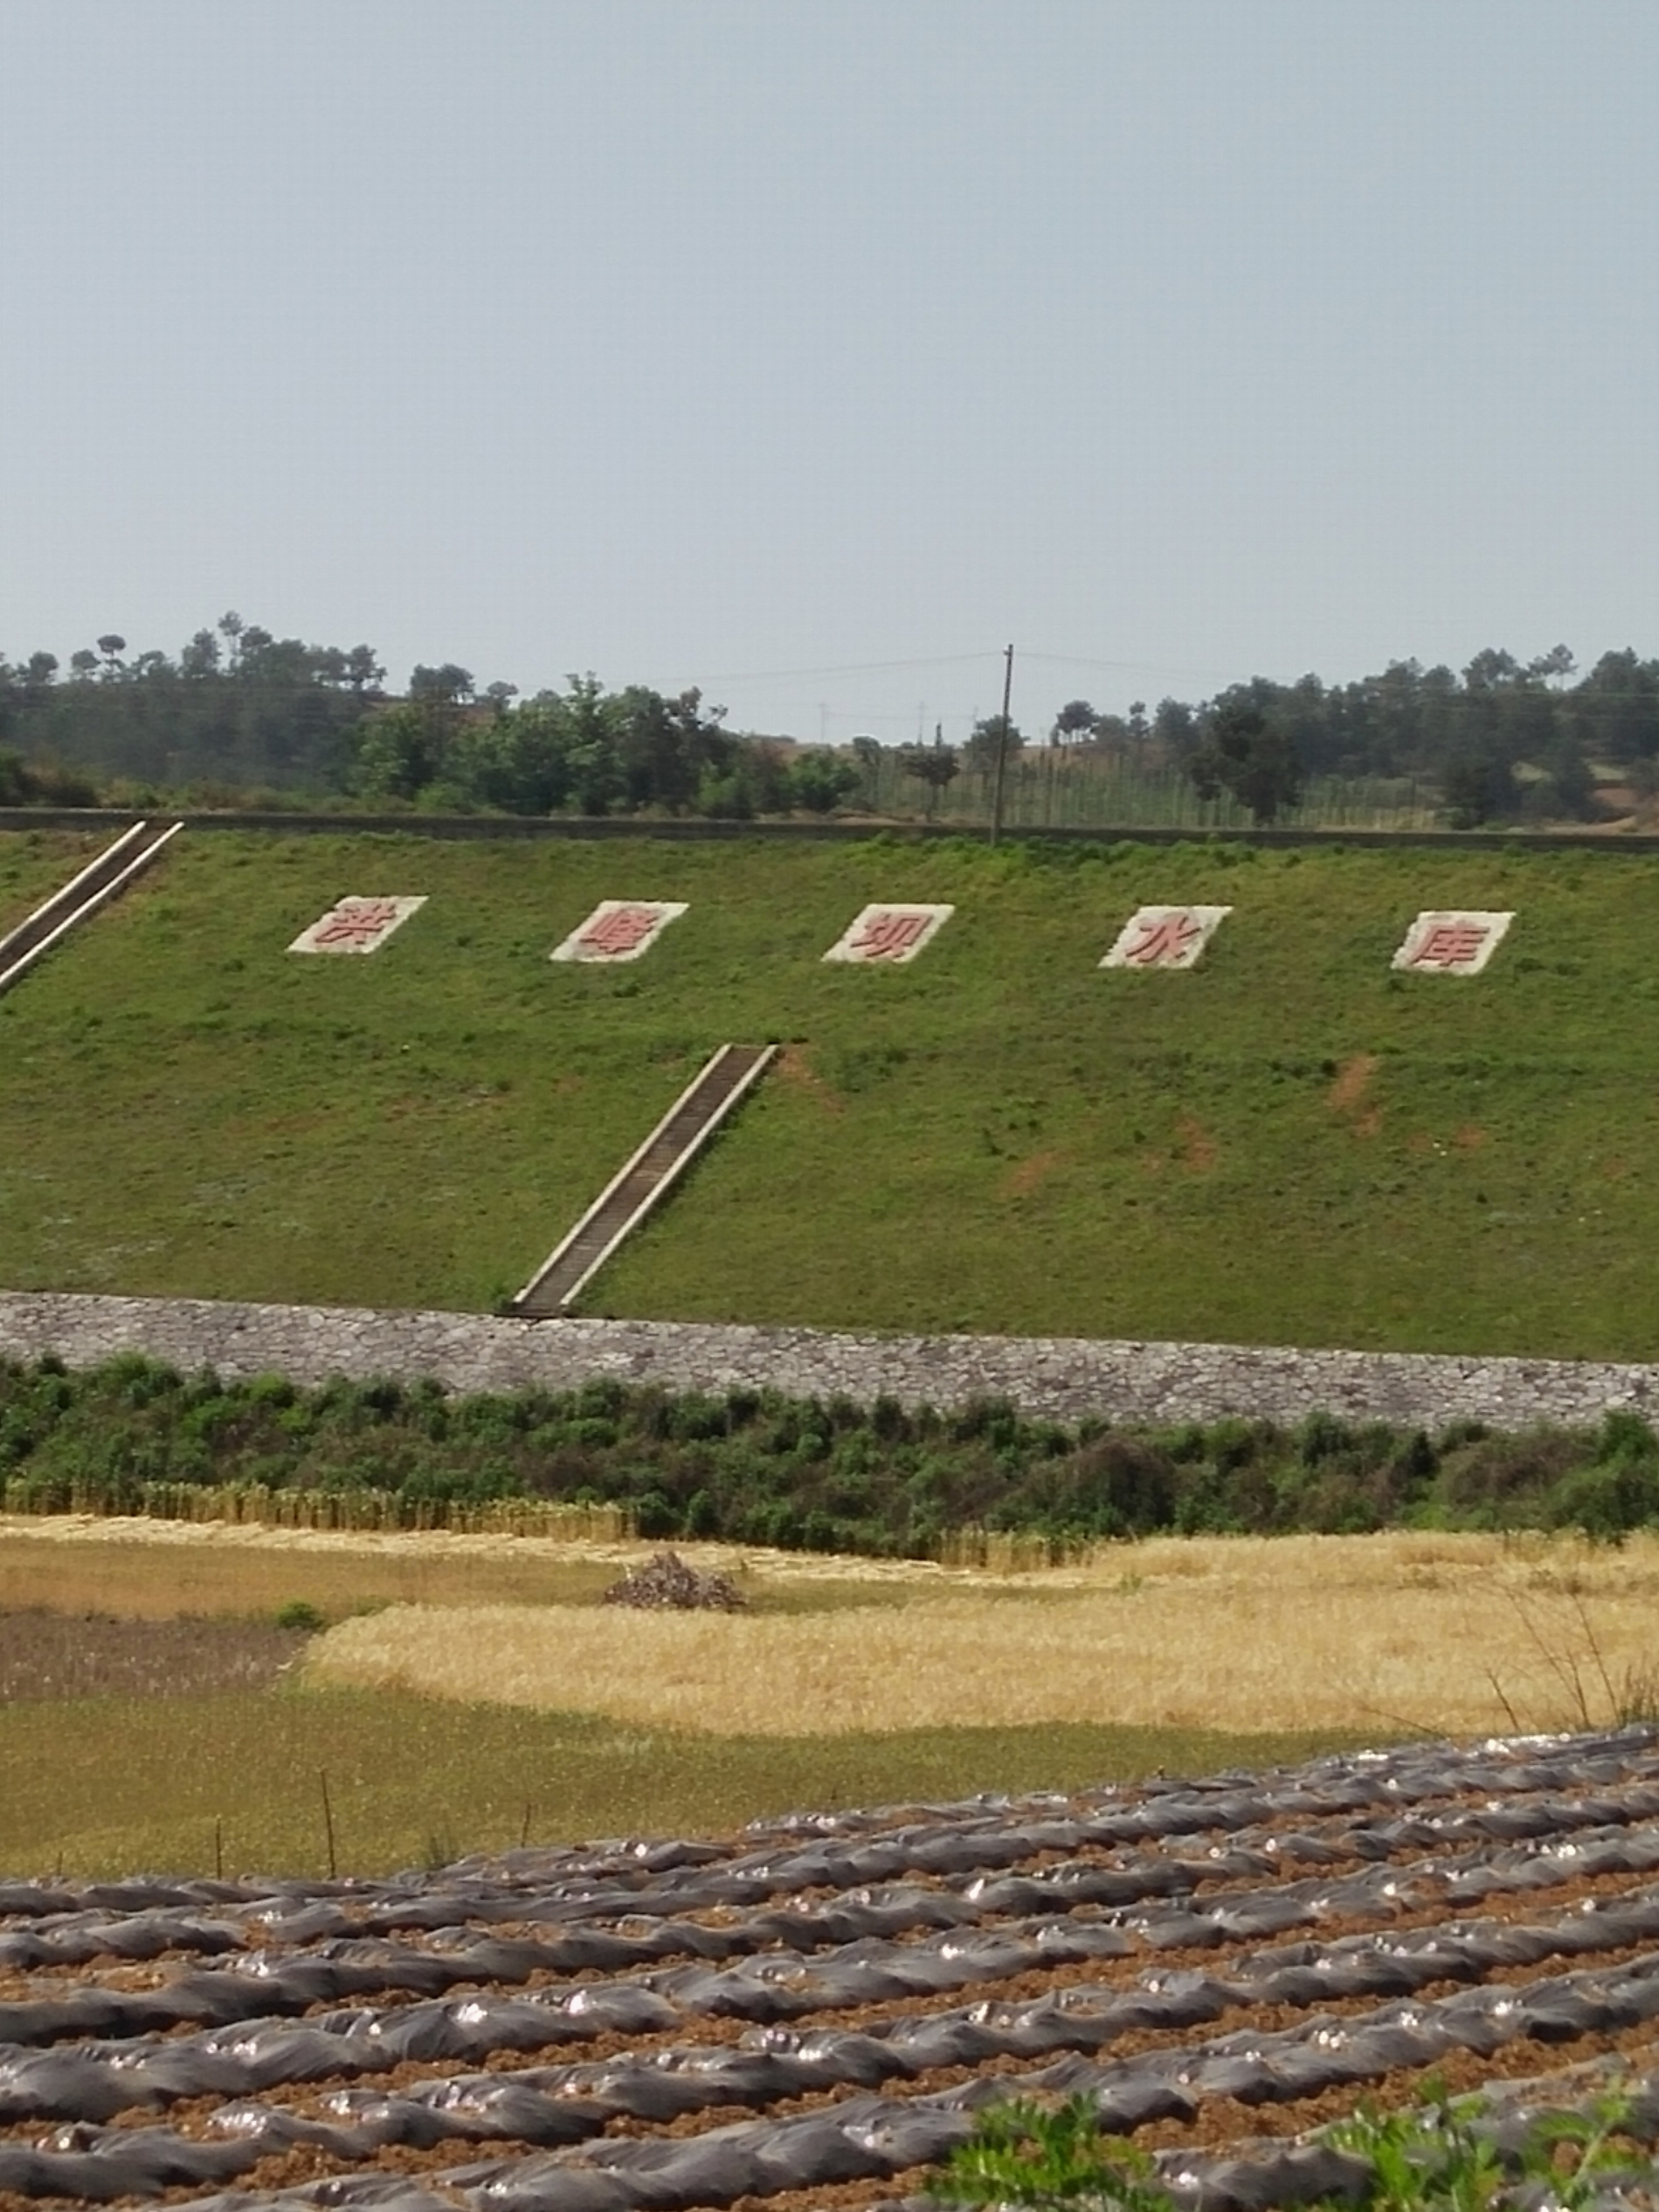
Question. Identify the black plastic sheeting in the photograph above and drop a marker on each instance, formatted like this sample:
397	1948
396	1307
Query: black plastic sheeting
285	2006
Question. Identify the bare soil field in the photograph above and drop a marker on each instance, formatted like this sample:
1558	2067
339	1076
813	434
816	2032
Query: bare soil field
809	2012
47	1655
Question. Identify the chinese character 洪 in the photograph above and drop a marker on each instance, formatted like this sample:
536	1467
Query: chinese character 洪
1166	939
888	935
624	929
1450	944
356	921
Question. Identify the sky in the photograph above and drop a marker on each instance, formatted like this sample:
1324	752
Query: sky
812	351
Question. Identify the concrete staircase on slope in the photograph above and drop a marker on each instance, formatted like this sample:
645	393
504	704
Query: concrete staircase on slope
99	881
646	1178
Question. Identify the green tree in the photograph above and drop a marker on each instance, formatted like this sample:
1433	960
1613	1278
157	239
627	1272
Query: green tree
866	751
395	755
666	746
1076	718
1246	750
1479	785
1174	731
985	743
1614	712
818	779
935	765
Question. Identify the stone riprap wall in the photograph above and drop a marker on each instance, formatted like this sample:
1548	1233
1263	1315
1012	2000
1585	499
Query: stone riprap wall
1064	1378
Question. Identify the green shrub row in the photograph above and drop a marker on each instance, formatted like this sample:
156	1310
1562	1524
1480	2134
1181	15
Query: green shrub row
752	1467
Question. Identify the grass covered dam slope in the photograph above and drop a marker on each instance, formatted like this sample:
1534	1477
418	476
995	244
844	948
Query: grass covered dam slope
1291	1143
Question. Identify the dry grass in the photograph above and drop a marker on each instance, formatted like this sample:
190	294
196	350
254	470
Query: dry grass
160	1569
146	1570
1390	1634
1356	1638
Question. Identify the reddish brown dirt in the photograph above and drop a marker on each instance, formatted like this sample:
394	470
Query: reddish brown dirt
793	1066
1353	1080
1349	1095
53	1654
1030	1174
1196	1149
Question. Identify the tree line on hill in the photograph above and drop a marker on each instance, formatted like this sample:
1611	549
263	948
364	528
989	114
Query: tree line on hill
239	711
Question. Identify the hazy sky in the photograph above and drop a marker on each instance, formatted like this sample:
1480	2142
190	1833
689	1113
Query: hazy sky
691	340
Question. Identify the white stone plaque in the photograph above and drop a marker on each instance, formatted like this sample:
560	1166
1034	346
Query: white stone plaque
890	934
619	929
1165	936
356	925
1451	941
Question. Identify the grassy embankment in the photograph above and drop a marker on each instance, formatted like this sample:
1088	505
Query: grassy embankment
34	863
1289	1144
883	1684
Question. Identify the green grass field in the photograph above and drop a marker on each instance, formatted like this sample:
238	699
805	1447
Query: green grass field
34	863
1289	1145
412	1781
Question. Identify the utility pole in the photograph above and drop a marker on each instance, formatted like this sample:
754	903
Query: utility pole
1002	744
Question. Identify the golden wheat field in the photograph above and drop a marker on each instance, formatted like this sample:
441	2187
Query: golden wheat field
1394	1634
1386	1634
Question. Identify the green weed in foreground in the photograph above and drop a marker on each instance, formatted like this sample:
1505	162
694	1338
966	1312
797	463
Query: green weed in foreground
1041	2157
1292	1144
1031	2157
111	1786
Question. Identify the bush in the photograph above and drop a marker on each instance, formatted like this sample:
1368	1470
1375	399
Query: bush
299	1613
1608	1503
1120	1486
755	1467
1505	1482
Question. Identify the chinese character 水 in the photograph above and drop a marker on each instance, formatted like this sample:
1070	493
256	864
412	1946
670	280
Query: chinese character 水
1166	939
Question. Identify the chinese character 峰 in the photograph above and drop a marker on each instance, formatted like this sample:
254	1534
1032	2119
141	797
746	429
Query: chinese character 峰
624	929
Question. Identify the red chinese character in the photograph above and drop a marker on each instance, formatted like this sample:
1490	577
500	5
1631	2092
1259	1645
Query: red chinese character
1451	944
356	921
1166	940
624	929
887	935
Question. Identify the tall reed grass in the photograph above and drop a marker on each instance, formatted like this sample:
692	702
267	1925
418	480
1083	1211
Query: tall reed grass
370	1511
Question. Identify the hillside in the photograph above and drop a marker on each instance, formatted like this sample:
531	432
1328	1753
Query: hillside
1288	1144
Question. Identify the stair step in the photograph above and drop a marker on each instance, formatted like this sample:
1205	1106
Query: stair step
645	1179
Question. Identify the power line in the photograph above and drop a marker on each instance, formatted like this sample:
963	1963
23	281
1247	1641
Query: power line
1132	667
1126	667
852	668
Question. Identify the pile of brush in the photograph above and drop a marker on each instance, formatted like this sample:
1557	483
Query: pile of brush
666	1582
